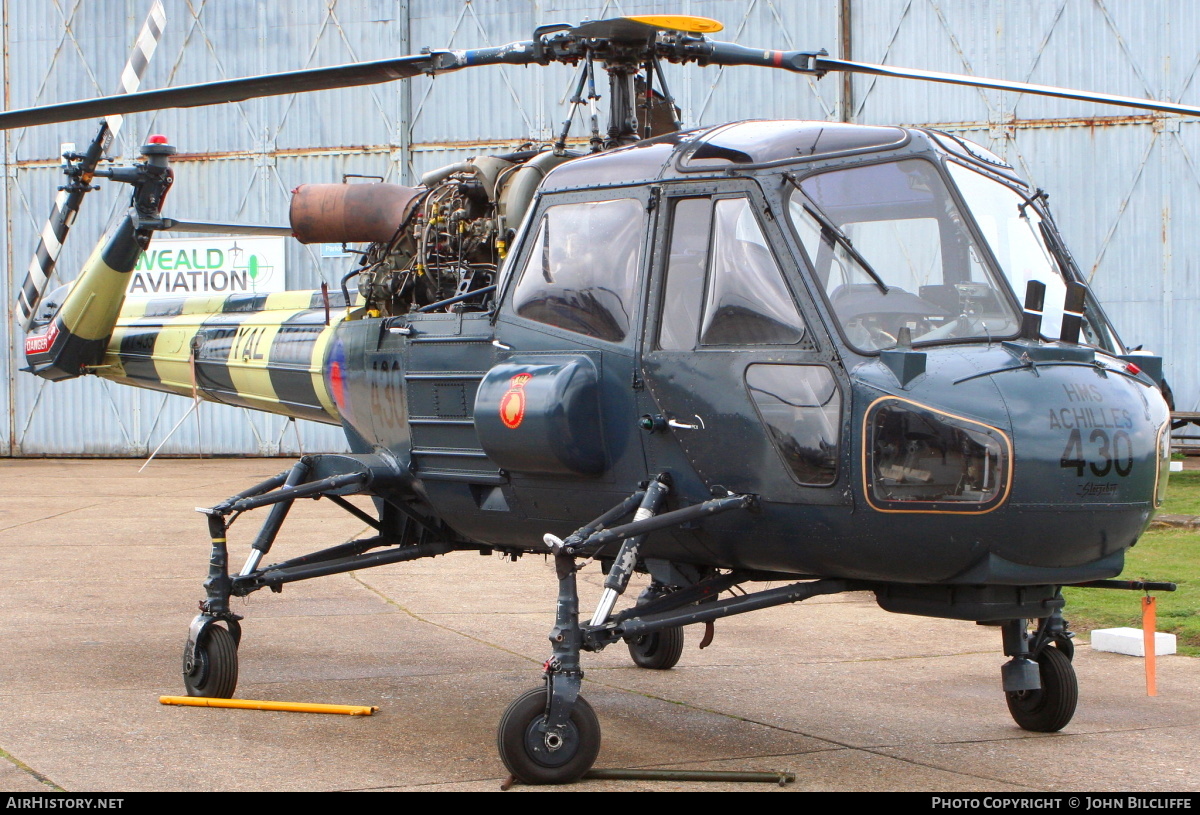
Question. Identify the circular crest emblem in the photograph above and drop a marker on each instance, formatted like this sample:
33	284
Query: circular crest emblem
512	403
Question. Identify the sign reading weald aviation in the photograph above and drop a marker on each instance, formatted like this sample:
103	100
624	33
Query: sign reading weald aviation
178	267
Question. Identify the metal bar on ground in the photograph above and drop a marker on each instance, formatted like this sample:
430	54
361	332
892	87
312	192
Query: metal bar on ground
256	704
779	778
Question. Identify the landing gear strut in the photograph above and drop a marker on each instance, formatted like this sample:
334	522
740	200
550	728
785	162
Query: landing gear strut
210	663
551	735
210	656
1039	682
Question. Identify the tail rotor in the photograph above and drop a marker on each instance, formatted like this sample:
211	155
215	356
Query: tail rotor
79	169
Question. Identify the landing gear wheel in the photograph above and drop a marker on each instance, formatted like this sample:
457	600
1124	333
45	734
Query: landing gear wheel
524	748
215	672
1066	645
1050	709
659	651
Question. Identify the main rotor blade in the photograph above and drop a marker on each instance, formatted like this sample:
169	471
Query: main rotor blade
827	64
229	90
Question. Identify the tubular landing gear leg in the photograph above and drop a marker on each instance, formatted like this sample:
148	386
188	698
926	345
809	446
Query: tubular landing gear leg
210	666
551	735
660	650
1039	682
210	661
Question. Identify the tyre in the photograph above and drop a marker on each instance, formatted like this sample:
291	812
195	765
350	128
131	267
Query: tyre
1066	645
1050	709
524	750
659	651
215	672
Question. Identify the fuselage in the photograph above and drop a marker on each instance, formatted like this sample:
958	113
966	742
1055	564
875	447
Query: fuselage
825	316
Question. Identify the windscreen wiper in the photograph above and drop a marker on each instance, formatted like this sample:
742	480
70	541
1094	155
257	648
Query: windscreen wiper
1057	249
829	227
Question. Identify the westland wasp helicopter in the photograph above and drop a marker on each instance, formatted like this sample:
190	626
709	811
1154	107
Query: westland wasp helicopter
849	358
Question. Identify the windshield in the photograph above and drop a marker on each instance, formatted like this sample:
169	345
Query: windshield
892	252
1021	244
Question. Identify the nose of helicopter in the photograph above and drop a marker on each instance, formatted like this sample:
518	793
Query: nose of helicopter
1057	455
1091	450
1086	433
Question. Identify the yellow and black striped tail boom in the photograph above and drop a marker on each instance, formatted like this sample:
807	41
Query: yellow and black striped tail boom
260	351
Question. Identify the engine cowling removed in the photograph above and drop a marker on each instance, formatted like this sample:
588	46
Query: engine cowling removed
425	244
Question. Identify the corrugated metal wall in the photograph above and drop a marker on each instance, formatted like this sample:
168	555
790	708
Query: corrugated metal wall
1125	186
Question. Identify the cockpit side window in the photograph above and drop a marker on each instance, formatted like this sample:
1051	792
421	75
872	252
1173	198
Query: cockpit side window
582	270
691	228
724	286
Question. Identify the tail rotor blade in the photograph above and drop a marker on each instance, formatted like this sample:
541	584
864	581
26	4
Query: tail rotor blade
62	215
44	259
143	50
79	175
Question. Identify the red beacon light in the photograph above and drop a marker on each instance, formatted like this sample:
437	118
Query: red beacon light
157	138
1132	368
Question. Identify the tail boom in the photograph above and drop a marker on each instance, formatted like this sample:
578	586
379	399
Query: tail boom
260	351
263	352
75	339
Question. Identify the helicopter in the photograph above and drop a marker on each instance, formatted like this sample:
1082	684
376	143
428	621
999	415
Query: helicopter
838	357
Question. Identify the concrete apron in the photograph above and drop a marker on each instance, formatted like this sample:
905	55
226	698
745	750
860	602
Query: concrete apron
103	570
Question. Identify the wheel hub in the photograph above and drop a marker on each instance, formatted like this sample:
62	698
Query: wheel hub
194	664
550	748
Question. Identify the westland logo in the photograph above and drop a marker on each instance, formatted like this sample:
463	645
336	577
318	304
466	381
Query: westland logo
1093	490
512	403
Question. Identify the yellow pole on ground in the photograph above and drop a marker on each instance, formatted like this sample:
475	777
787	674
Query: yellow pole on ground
255	704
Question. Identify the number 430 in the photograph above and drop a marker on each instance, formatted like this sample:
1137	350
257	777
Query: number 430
1116	452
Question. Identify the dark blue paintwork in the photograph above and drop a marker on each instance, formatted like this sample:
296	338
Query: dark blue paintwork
415	393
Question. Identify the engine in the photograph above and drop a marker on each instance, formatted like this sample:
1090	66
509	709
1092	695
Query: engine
427	244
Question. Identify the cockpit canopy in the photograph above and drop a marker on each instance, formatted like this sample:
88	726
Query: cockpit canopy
903	260
912	236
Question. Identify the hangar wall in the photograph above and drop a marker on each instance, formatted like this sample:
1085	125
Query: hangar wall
1124	184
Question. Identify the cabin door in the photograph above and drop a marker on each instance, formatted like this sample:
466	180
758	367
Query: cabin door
739	391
